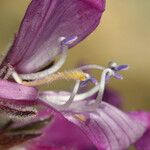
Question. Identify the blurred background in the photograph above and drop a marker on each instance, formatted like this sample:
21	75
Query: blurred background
124	36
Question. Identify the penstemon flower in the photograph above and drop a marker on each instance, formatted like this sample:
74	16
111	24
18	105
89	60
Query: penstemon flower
81	121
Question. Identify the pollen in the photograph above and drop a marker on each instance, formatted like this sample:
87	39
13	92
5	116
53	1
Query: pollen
80	117
66	75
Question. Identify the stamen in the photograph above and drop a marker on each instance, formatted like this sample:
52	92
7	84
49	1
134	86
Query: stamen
61	99
68	102
70	40
51	70
64	43
102	84
16	77
78	97
90	79
80	117
68	75
73	94
92	66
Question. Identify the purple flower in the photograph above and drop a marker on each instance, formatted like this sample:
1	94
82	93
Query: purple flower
80	121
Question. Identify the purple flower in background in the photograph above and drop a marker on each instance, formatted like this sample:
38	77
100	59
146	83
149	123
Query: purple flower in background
81	121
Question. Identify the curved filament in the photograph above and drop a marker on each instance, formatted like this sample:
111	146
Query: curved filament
49	71
68	75
64	43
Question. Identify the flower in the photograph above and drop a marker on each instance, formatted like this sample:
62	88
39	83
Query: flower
49	29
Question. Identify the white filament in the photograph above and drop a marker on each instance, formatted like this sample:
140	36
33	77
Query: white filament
73	94
60	99
92	66
55	67
67	103
16	77
102	85
49	71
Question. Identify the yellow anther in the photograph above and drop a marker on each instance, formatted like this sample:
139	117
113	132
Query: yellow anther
67	75
80	117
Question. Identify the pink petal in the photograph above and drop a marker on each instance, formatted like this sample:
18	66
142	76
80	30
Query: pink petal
44	22
60	134
143	117
11	90
105	128
110	128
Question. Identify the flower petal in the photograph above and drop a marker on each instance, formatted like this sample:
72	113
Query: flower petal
107	128
20	121
144	118
44	23
11	90
61	134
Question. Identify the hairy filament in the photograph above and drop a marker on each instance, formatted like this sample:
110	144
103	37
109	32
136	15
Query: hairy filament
63	48
68	101
92	66
51	70
73	94
102	85
68	75
61	99
78	97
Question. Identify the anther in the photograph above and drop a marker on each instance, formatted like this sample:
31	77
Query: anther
72	96
68	41
80	117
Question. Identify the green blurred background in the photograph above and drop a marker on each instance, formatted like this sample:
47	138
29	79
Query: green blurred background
124	36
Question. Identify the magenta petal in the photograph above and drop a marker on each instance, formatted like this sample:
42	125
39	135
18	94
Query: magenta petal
144	117
105	128
109	128
44	22
11	90
61	134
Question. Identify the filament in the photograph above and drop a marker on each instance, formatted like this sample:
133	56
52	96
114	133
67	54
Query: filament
64	43
68	101
67	75
102	84
100	87
51	70
92	66
73	94
59	99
